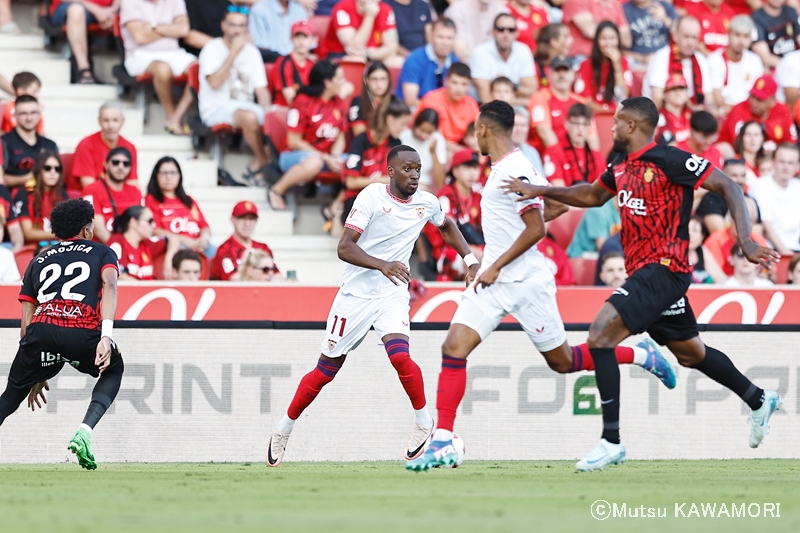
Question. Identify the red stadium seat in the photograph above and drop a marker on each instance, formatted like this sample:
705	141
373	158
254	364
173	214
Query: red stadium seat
604	122
583	270
638	79
782	268
71	183
3	106
320	23
23	257
564	226
268	68
275	127
395	74
158	267
354	72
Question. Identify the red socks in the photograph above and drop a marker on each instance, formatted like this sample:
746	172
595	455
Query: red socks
310	386
582	359
452	385
407	370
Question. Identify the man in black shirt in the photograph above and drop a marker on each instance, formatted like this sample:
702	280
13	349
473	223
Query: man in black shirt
712	208
23	144
66	291
778	32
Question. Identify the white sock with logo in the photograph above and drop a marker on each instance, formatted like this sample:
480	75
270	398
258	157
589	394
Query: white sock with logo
423	417
442	434
640	356
86	428
286	424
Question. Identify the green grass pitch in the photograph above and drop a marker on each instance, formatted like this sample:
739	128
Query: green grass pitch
502	496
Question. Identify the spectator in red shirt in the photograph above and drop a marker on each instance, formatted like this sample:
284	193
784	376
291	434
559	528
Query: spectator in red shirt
175	211
554	40
362	30
88	163
673	120
291	72
557	260
76	16
762	107
704	131
531	16
225	265
576	162
136	245
605	77
463	206
111	196
317	122
33	208
376	88
22	83
583	16
714	17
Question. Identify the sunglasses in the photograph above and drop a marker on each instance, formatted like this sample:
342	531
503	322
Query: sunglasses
505	29
148	220
242	10
735	162
50	168
117	162
268	269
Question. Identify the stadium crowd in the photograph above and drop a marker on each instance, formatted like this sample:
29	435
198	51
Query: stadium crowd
354	78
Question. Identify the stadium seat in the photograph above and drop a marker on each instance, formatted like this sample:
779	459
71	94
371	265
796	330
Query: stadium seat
23	257
638	79
782	268
3	106
583	270
562	228
604	122
158	267
275	127
395	74
199	130
268	68
354	73
55	35
320	23
71	183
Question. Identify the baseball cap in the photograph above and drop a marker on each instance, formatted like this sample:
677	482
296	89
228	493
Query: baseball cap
302	26
465	157
117	151
764	88
561	62
676	81
245	208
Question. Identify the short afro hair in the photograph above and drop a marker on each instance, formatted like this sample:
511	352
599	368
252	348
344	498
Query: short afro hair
396	150
643	109
69	217
498	115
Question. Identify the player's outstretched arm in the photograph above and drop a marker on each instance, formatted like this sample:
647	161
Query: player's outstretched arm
721	184
452	236
553	209
579	195
108	308
352	253
533	233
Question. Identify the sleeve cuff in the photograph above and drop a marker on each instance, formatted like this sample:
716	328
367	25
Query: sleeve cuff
606	187
354	228
26	298
115	267
537	205
705	176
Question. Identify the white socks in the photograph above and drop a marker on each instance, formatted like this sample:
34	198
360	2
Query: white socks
423	417
639	356
286	424
442	434
85	427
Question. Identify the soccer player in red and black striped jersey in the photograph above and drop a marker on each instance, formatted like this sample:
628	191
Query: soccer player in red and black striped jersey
68	290
654	187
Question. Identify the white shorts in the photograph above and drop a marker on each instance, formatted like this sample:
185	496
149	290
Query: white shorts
532	303
223	113
178	60
351	317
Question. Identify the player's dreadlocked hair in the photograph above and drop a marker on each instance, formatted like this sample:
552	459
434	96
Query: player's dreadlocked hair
396	150
644	109
69	217
498	114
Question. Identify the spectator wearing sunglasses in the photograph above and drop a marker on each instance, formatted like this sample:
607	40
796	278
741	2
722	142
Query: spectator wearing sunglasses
91	155
113	195
186	266
259	266
270	24
136	245
33	208
745	273
503	56
425	68
225	265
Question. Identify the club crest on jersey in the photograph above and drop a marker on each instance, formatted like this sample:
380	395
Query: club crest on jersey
331	345
648	175
421	212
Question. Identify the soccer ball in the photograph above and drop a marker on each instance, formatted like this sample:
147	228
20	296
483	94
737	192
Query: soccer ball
461	450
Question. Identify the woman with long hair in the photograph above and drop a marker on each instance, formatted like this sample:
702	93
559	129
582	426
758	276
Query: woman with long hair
749	145
376	88
317	121
425	138
258	265
605	78
35	206
134	243
174	211
553	40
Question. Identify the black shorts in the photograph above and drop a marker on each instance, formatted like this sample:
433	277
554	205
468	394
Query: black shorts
654	299
45	349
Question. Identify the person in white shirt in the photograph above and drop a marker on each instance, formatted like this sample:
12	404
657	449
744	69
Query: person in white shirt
686	35
778	198
514	278
745	273
735	69
503	56
8	265
787	74
380	233
231	74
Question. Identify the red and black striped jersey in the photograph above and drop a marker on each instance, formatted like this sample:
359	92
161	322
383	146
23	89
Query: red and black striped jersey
65	283
654	190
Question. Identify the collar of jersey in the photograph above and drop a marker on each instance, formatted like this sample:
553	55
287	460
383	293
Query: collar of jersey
395	198
638	154
508	154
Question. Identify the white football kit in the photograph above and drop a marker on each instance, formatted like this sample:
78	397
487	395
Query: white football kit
389	229
525	287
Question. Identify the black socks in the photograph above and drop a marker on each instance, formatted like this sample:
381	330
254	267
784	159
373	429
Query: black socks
606	371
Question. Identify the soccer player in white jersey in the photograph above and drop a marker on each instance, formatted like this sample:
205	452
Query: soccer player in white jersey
379	235
513	279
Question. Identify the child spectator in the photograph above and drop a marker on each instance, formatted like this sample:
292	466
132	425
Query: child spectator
291	71
425	138
502	89
674	116
186	266
225	265
136	245
576	161
22	83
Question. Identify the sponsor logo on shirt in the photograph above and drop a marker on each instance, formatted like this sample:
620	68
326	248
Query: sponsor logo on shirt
696	164
636	205
168	212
